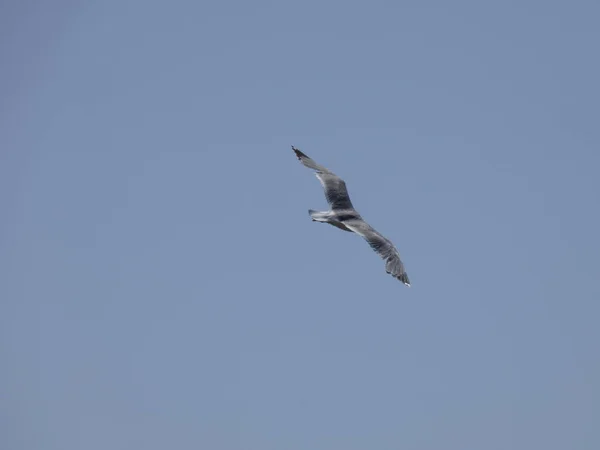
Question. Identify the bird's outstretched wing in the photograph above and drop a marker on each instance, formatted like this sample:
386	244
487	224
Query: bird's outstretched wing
335	188
382	246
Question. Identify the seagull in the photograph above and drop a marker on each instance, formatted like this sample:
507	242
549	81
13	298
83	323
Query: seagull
343	216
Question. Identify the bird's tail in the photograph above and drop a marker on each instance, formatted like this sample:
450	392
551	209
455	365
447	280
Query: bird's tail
319	216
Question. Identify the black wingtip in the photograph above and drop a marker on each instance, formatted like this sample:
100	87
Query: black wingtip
404	279
299	154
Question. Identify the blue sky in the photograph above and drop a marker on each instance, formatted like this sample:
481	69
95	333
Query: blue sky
163	286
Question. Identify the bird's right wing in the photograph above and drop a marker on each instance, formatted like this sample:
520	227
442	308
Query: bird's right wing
336	192
382	246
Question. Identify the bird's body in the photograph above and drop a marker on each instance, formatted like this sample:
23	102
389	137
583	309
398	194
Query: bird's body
343	216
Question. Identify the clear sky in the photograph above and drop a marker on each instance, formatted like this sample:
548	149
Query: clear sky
162	285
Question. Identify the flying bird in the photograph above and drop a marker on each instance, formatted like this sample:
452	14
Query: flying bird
343	215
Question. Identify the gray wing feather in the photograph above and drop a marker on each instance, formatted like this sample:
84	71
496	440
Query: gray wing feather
336	192
382	246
